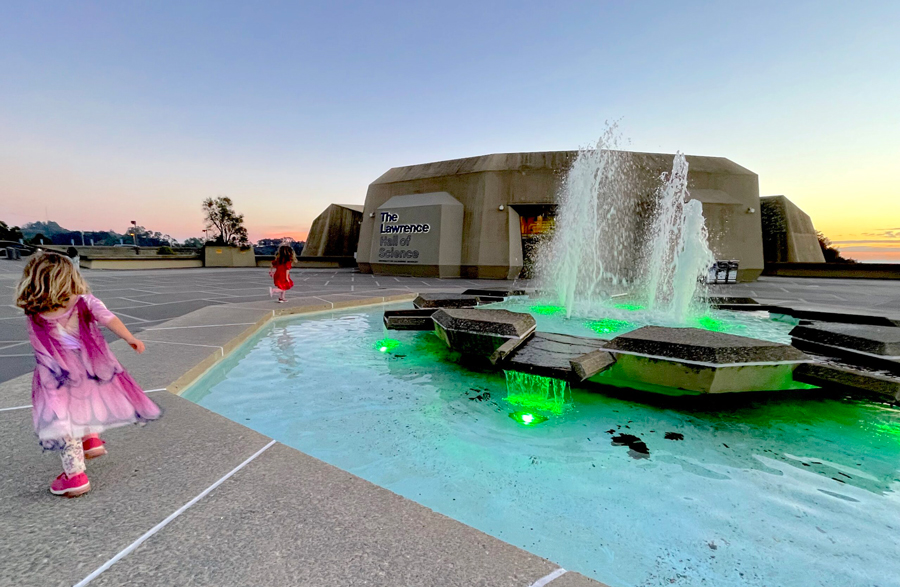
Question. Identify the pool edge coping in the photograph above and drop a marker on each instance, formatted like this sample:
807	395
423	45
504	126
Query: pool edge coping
195	373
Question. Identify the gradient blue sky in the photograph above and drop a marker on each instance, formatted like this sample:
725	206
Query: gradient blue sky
113	111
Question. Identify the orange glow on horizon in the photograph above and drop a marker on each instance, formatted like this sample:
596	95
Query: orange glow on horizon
297	236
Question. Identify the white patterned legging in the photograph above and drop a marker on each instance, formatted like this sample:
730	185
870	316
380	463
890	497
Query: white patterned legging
73	457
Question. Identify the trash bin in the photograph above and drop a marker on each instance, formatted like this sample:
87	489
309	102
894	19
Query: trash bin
721	271
732	271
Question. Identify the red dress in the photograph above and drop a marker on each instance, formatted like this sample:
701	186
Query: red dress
282	280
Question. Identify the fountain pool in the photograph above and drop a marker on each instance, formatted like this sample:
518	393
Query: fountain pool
621	316
731	491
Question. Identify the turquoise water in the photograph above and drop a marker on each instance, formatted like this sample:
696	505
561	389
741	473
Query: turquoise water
621	317
762	491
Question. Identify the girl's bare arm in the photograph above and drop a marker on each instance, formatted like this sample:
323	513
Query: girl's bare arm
122	332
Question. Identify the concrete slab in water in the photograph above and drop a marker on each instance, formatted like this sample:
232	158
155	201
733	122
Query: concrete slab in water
418	319
688	360
692	344
445	300
550	355
589	364
496	292
851	356
675	377
848	316
480	332
879	340
731	301
830	375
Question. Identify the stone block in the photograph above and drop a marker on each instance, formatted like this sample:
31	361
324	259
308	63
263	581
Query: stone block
720	301
692	361
496	292
480	332
851	356
832	375
589	364
703	346
550	355
445	300
878	340
505	349
409	319
849	316
677	377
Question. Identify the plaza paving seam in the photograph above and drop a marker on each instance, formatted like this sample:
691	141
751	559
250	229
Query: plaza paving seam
233	344
547	579
149	533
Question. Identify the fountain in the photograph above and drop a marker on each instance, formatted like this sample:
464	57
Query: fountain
621	301
592	258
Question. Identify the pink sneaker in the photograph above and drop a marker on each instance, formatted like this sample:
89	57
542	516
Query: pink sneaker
71	486
93	447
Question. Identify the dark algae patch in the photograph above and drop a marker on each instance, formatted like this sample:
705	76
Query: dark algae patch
674	436
636	446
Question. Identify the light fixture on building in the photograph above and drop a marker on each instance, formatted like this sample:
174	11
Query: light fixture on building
371	214
751	210
501	208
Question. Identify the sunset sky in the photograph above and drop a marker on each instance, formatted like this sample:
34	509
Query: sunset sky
120	111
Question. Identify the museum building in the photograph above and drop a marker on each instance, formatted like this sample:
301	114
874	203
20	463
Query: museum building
479	217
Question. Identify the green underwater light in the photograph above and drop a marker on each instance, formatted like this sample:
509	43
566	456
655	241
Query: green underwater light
716	325
547	309
527	418
537	393
608	325
629	307
386	344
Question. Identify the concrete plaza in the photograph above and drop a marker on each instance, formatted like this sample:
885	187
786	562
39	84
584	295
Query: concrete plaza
196	499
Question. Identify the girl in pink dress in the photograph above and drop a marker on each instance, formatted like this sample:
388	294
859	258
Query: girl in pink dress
281	272
79	389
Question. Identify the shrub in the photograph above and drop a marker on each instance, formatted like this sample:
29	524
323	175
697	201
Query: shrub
165	251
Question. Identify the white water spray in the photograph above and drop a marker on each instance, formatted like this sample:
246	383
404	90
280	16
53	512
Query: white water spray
612	237
678	256
591	253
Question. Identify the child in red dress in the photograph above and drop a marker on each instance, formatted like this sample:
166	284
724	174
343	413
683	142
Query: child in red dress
281	272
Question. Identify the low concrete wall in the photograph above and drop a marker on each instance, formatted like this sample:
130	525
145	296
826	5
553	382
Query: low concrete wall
835	270
310	262
148	262
225	256
121	252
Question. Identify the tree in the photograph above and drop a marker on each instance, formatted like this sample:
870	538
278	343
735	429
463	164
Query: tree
40	239
228	225
10	233
148	238
194	242
832	253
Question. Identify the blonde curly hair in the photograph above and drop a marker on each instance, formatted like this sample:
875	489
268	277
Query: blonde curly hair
48	282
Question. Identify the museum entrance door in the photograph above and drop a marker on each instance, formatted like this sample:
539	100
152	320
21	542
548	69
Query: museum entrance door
536	222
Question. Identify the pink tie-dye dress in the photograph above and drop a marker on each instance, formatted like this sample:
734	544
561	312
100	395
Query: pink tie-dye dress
79	387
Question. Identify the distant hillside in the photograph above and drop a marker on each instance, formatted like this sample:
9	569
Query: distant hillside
45	228
52	233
